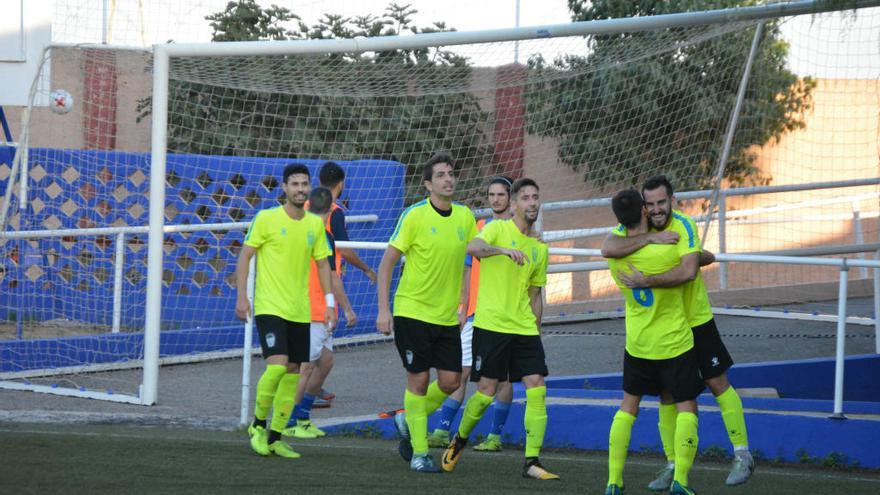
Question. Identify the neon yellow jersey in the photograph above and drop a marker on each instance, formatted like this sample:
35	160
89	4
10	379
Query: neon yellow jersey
656	325
503	300
696	299
435	246
285	250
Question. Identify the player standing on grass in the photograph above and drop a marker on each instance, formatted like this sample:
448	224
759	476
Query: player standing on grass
507	338
659	358
285	238
320	363
433	234
499	201
713	357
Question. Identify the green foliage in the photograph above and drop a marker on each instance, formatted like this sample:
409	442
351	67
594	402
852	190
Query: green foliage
684	95
364	105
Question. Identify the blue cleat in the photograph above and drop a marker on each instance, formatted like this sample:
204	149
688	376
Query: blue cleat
423	463
679	489
614	490
404	447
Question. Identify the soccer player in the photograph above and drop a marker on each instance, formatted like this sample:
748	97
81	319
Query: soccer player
285	239
498	195
313	373
659	357
507	340
712	355
433	234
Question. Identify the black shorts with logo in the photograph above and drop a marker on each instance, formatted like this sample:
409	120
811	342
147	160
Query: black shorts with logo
424	345
712	355
506	356
680	376
280	336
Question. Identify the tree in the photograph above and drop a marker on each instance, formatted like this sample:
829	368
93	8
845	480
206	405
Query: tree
683	94
350	105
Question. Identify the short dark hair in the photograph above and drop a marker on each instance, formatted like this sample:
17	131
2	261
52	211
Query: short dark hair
295	169
331	174
504	181
627	206
428	169
521	183
320	200
655	182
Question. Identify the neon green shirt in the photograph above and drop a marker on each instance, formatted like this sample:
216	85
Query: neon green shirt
435	246
656	325
696	299
503	303
285	248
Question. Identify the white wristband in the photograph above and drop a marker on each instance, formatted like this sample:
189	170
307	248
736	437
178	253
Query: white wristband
330	300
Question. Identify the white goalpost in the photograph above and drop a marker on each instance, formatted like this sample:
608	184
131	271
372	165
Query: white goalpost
123	252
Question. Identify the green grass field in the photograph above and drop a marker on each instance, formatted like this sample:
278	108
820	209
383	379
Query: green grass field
40	458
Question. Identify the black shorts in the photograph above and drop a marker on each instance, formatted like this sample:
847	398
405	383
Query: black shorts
424	345
680	376
505	356
712	355
279	336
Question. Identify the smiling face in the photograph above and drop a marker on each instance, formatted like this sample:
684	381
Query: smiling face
499	199
297	189
442	183
658	203
527	203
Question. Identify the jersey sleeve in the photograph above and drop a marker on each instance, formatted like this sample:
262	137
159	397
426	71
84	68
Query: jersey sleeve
539	273
489	232
337	225
332	245
320	248
257	232
403	235
688	238
619	231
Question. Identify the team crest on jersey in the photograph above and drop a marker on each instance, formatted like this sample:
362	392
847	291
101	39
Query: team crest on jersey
283	231
460	234
270	339
310	238
409	357
478	363
434	230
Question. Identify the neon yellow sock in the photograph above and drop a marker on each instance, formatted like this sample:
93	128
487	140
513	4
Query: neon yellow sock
417	421
666	425
535	420
434	398
618	445
473	411
266	388
734	418
285	397
685	445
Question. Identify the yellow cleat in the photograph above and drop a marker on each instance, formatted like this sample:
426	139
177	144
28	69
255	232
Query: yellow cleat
281	449
452	453
259	439
534	470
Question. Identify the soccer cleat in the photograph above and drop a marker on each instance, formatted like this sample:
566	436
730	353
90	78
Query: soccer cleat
326	395
259	439
438	439
404	446
679	489
320	403
281	449
303	429
452	453
534	470
613	490
663	481
423	463
742	469
492	443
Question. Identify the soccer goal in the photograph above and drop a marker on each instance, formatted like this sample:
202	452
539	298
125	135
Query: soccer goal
125	220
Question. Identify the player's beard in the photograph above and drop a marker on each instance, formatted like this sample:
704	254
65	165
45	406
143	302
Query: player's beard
501	212
666	216
297	202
